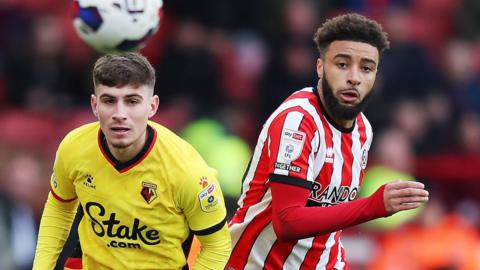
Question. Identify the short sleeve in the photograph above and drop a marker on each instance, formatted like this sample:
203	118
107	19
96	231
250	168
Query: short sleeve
201	200
292	143
61	184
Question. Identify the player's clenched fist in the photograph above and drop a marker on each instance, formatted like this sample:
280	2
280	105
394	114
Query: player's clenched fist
404	195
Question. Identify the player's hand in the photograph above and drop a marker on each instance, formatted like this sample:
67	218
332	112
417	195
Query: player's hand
404	195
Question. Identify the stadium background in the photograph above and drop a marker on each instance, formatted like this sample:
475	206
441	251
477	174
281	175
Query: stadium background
222	67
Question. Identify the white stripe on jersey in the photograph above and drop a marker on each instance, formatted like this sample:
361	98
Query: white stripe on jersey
269	145
253	166
262	245
322	150
297	256
368	131
251	214
356	167
292	121
339	265
336	180
326	253
311	172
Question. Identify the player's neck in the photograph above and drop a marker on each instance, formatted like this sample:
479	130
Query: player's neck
347	124
127	153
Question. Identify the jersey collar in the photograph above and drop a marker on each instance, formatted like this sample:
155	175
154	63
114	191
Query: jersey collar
122	167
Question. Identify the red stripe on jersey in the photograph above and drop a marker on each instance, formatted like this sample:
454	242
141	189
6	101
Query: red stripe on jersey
278	254
361	130
332	260
363	138
313	255
60	199
249	236
347	159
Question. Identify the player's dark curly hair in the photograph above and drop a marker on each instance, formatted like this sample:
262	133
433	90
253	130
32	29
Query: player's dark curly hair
351	27
126	69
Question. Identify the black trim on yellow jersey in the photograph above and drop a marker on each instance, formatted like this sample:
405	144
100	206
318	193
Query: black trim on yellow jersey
186	246
290	180
125	166
77	251
212	229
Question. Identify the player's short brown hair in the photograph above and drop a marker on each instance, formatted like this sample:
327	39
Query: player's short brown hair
351	27
126	69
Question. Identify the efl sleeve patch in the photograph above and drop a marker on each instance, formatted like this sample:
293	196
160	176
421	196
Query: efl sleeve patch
291	144
208	198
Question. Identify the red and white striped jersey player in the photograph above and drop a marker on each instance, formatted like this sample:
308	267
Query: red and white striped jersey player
300	188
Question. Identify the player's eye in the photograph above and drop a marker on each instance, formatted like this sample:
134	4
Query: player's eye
108	101
367	69
342	65
133	101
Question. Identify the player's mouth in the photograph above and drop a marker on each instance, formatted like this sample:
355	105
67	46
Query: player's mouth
119	130
349	96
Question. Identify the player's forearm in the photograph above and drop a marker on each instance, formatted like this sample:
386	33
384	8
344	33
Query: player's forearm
293	220
215	250
55	226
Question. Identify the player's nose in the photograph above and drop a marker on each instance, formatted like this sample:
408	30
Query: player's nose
353	77
120	112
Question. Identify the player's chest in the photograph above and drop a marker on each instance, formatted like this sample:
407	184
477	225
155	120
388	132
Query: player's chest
107	194
339	173
341	160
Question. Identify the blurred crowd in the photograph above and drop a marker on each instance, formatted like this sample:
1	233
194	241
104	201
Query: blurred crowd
231	63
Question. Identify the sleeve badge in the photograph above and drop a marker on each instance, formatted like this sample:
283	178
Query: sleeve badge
291	144
208	198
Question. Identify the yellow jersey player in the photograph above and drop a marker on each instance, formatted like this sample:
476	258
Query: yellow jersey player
143	190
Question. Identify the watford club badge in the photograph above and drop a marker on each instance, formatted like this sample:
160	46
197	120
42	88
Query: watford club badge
149	192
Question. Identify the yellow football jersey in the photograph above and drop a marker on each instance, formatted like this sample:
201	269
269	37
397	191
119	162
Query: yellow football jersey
138	214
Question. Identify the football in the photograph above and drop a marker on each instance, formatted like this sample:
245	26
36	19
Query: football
115	26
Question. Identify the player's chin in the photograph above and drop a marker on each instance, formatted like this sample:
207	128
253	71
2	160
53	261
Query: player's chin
352	104
120	144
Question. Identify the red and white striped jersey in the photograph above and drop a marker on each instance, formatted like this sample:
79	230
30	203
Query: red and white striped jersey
298	140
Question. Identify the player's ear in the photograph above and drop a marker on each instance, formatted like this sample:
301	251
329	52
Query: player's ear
154	102
319	67
93	104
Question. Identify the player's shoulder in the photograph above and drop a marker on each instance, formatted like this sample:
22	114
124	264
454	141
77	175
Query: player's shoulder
302	106
166	136
177	154
303	101
81	135
163	131
168	142
306	94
